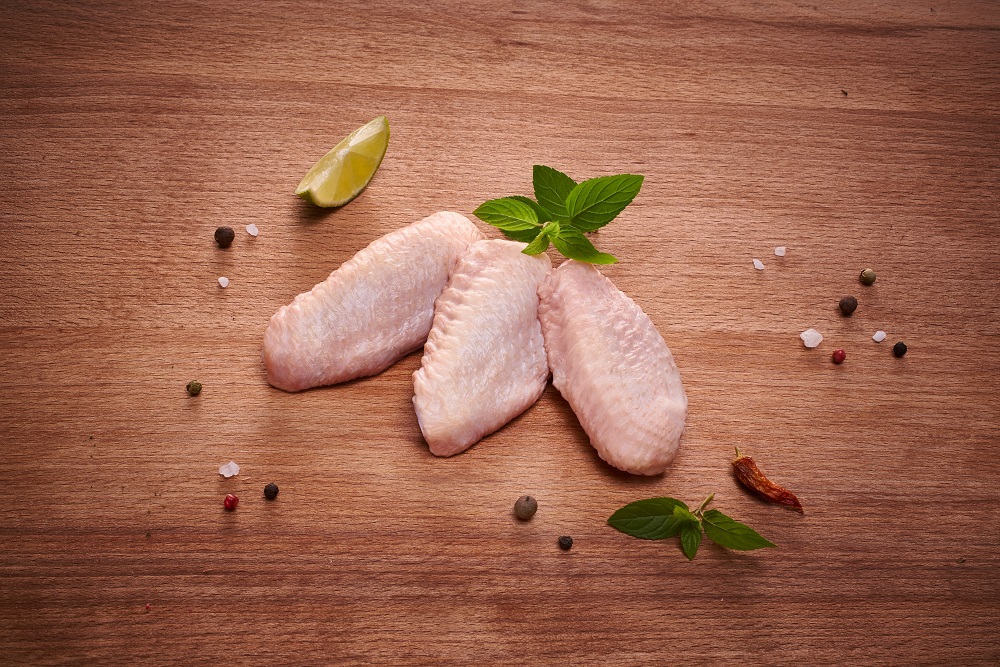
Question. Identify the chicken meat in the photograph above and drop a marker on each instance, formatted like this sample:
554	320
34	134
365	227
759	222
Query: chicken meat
377	307
613	368
484	361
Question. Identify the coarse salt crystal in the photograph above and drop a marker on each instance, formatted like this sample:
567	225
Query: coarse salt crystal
780	251
811	338
252	229
223	281
759	265
879	336
229	469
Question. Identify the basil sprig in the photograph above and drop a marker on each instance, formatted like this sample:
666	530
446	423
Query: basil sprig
563	213
660	518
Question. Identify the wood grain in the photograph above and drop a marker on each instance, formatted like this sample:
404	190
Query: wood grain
852	134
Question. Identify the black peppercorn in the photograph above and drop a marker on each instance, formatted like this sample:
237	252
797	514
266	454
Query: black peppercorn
525	508
271	491
193	387
565	542
224	236
848	305
899	349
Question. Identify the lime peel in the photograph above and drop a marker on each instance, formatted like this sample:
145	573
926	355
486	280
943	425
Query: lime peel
341	174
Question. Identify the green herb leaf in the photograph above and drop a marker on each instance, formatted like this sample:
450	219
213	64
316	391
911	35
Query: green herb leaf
649	519
541	242
522	235
690	530
684	514
527	235
658	518
543	215
571	209
508	213
596	202
551	189
573	244
690	537
732	534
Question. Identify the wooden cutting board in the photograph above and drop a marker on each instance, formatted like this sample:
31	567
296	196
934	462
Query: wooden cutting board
851	134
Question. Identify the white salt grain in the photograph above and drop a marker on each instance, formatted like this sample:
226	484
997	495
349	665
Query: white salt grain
879	336
759	265
780	251
252	229
811	338
229	469
223	281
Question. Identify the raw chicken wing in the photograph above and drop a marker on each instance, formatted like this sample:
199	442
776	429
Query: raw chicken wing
377	307
484	361
613	368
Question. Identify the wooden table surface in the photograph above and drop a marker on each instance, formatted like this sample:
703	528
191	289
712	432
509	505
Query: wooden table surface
854	134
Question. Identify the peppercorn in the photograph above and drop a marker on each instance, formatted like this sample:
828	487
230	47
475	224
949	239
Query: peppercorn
224	236
525	508
867	276
565	542
271	491
193	387
899	349
848	305
230	502
839	356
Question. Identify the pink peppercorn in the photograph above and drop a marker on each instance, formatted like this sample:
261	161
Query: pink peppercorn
839	356
230	502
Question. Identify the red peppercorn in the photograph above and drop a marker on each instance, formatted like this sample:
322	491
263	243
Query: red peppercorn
230	502
839	356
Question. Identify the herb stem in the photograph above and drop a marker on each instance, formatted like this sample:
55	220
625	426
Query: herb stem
704	504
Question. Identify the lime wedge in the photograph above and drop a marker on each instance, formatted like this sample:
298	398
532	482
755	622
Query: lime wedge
343	173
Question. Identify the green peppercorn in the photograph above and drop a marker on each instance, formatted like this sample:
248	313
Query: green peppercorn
224	236
899	349
565	542
848	305
867	276
271	491
193	387
525	508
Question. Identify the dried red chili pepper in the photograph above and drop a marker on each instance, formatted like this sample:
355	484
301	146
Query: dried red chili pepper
751	477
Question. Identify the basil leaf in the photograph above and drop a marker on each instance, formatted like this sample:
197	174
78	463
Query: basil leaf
551	188
522	235
690	537
573	244
683	512
539	245
543	215
649	519
508	214
690	530
527	235
595	202
732	534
